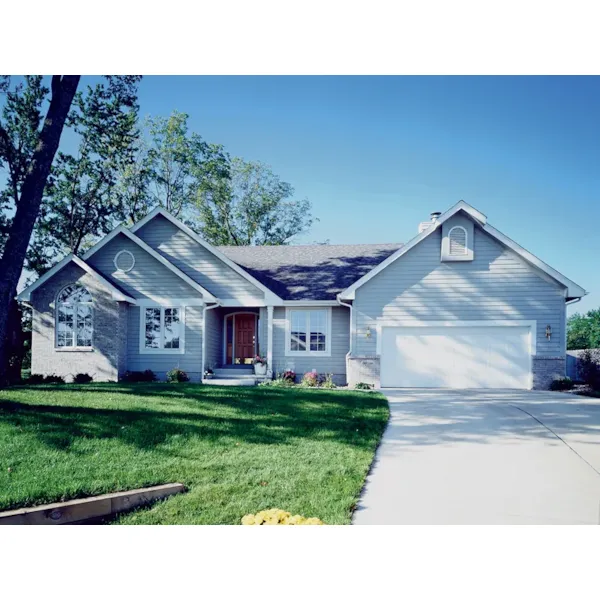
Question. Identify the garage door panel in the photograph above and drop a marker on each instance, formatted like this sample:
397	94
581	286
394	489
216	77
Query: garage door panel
455	357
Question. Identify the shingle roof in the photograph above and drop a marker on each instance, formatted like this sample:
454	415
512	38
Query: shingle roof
309	272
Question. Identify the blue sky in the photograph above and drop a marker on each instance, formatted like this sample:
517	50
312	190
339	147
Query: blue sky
376	155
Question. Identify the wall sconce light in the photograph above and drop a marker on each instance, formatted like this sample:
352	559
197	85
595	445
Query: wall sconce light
368	332
548	331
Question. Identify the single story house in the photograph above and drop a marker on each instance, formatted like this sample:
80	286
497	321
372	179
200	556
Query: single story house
460	305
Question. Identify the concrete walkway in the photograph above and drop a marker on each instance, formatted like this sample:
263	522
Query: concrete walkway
486	457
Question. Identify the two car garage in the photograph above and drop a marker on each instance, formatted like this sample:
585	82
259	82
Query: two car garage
443	356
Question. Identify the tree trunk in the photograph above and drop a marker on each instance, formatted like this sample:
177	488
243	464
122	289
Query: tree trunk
28	208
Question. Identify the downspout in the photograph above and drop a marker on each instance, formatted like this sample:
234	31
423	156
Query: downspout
215	305
349	354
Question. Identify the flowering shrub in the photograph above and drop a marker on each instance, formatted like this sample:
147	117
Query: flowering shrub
310	379
82	378
259	360
289	375
276	516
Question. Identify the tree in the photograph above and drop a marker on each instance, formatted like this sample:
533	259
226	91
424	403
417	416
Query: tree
583	331
169	165
28	177
250	207
81	202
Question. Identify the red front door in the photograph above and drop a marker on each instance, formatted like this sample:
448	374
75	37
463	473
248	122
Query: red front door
245	338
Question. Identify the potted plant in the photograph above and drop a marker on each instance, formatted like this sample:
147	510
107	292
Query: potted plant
260	365
209	373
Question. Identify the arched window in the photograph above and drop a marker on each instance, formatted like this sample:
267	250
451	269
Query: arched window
457	238
74	325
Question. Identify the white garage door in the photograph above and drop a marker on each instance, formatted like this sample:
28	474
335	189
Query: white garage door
456	357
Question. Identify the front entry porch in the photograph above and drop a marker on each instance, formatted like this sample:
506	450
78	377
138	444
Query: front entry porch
234	336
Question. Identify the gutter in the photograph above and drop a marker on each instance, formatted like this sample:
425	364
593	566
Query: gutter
215	305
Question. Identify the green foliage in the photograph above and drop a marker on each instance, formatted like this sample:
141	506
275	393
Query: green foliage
361	385
37	378
563	383
251	206
140	376
327	382
81	202
583	331
589	368
177	375
82	378
21	121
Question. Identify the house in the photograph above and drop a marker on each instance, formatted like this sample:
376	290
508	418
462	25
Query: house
460	305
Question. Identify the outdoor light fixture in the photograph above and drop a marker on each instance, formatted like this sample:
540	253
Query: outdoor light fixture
368	333
548	331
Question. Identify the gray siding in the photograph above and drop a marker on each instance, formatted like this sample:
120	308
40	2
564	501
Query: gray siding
190	361
496	285
196	261
340	344
148	278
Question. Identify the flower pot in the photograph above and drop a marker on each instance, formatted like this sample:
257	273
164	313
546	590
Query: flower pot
208	376
260	369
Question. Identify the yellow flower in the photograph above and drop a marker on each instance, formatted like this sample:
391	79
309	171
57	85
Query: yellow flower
248	520
277	516
313	521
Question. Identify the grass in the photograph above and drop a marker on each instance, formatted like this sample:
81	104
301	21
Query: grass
238	449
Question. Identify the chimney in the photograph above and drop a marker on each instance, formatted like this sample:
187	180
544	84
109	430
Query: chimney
427	224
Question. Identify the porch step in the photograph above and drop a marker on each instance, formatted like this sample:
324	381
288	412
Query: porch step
230	381
234	373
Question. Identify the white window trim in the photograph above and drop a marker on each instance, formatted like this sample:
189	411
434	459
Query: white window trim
143	349
308	352
73	348
116	258
466	247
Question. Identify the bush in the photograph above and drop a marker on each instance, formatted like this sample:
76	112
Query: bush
276	516
35	378
177	376
361	385
310	379
54	379
82	378
563	383
589	368
327	382
140	376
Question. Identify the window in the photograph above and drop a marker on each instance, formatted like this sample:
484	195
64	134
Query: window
308	331
162	329
74	327
457	240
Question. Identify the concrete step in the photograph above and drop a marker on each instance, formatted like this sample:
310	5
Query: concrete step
234	373
230	381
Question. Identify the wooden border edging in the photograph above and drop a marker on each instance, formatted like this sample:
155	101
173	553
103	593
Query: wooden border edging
82	509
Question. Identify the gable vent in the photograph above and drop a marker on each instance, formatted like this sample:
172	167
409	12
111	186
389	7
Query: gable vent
457	237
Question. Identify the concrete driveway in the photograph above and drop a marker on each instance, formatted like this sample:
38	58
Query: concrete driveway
486	457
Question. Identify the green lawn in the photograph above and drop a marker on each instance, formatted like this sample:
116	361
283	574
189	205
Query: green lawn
238	449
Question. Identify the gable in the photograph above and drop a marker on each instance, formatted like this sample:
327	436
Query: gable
463	210
148	278
196	261
495	274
